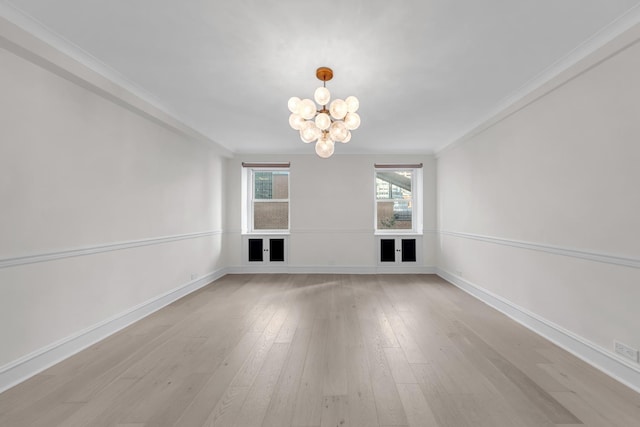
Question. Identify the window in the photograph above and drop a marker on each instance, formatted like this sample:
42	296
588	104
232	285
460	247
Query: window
397	199
268	204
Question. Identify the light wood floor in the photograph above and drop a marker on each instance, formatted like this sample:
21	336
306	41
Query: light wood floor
322	350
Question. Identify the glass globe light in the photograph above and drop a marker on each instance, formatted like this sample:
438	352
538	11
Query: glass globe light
309	132
322	95
352	104
295	121
307	109
338	108
325	148
352	121
338	131
294	104
305	139
347	139
323	121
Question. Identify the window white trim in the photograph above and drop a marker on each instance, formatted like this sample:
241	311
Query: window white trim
416	201
248	200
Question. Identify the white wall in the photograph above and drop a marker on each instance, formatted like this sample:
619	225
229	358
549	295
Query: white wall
542	209
79	173
108	205
324	237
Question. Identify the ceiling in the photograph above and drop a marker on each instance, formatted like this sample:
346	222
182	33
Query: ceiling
425	71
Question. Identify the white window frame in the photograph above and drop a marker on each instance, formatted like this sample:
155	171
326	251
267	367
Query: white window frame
416	202
248	227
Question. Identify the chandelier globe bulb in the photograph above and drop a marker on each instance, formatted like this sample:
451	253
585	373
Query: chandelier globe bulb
338	131
352	121
309	132
338	109
352	104
348	138
322	95
294	104
307	109
323	121
325	148
295	121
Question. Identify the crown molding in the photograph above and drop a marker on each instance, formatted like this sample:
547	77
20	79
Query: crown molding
609	41
33	41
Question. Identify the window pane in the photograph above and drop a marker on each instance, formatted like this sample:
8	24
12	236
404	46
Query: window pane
393	192
393	185
394	215
271	215
270	185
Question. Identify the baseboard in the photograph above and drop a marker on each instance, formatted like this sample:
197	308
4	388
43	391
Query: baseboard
41	359
328	269
598	357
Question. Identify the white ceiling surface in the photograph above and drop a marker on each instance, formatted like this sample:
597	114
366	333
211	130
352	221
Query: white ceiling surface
425	71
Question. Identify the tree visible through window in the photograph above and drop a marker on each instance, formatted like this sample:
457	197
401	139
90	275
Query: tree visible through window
270	199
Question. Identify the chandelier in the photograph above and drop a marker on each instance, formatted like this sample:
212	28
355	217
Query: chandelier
325	126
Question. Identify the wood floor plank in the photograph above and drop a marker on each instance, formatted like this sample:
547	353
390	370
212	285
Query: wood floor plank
599	385
520	391
259	353
335	412
228	407
335	377
400	369
37	388
308	406
103	408
444	407
615	412
322	350
280	411
418	412
205	401
588	414
388	405
362	405
257	401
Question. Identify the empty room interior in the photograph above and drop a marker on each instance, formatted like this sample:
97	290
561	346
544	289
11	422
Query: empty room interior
294	213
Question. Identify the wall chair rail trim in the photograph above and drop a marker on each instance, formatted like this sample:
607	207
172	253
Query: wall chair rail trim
557	250
100	248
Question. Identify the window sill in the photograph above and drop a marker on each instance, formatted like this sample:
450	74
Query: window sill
267	233
397	233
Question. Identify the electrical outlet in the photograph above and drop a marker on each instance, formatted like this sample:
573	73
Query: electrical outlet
626	351
194	276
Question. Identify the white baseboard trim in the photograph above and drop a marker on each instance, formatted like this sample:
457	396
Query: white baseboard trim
598	357
328	269
41	359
